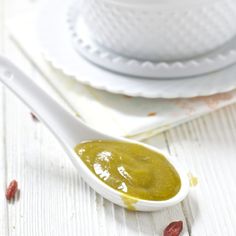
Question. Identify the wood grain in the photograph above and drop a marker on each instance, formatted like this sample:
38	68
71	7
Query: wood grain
3	162
207	147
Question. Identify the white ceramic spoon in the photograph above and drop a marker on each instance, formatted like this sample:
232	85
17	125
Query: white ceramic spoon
71	131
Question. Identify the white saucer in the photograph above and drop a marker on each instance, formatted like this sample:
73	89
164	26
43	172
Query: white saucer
214	61
56	43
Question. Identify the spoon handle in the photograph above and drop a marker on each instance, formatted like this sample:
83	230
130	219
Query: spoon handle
63	125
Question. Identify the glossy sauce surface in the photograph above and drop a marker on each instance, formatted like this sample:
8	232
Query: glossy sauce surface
131	169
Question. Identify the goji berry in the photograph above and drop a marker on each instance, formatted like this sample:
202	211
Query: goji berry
151	114
11	190
174	229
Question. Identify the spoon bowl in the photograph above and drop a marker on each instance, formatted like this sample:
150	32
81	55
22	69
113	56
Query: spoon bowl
70	131
116	197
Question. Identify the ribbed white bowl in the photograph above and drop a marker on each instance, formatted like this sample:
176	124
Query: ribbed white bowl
210	62
159	30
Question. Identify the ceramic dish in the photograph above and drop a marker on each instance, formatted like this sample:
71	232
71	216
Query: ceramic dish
159	30
55	41
99	55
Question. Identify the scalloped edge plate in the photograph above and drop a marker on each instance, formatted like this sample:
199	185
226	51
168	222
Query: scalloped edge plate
216	60
57	47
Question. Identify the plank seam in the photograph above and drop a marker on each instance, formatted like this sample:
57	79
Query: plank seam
188	225
3	105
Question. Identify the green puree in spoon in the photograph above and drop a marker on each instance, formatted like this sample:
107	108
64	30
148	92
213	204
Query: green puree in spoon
131	169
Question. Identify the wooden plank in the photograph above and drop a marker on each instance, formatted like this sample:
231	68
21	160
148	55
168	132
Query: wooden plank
3	170
3	162
163	218
207	147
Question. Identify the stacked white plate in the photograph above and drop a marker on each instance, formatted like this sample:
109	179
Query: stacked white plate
187	39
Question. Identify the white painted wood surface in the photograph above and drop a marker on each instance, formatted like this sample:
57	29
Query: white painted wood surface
53	199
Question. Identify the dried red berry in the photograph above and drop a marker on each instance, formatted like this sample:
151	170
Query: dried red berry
151	114
34	117
174	229
11	190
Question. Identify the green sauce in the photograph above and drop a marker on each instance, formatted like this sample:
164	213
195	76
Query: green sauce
131	169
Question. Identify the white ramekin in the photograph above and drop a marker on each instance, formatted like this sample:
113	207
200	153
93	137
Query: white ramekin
159	30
